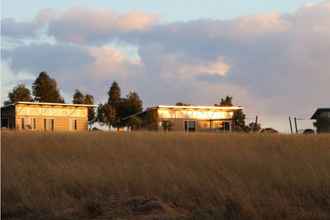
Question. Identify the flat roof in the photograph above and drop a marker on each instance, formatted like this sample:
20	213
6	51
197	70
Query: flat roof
319	111
53	104
200	107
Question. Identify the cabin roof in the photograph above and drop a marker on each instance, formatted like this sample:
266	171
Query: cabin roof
319	111
200	107
51	104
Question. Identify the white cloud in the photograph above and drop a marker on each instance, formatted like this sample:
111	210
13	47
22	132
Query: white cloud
83	25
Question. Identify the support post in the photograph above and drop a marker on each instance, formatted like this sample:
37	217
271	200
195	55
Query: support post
295	124
290	125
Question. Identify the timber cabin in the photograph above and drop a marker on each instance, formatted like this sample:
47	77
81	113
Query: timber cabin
322	117
187	118
41	116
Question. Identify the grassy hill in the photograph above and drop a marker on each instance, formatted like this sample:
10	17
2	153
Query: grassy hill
100	175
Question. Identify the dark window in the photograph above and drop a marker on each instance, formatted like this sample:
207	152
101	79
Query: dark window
75	125
226	126
23	125
52	124
190	126
4	123
34	124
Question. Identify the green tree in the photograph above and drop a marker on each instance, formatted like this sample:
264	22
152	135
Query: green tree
239	121
254	127
106	114
114	94
182	104
78	97
134	122
226	102
45	89
89	100
19	93
133	104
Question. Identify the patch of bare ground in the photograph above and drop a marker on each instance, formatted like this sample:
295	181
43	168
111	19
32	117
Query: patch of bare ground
101	175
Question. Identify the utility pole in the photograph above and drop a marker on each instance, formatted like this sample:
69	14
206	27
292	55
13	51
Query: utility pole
290	125
256	123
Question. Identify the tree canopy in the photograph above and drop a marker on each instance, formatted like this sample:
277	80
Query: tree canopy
182	104
114	94
45	89
78	97
117	108
19	93
226	102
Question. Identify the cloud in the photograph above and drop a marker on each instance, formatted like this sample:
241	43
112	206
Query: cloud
17	30
10	27
273	64
55	58
82	25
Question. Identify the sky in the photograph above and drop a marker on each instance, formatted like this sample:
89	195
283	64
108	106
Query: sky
271	56
169	10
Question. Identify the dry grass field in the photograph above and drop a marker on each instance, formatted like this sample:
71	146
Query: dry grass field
101	175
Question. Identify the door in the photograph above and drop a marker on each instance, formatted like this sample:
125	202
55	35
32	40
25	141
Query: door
226	126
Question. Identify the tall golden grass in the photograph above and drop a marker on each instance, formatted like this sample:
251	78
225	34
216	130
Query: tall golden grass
101	175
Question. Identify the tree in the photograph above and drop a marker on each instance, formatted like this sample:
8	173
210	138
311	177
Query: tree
45	89
239	121
254	127
133	104
182	104
19	93
114	94
78	97
118	108
106	114
134	122
226	102
89	100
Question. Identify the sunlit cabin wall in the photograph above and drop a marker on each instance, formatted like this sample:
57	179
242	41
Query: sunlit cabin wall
205	119
51	118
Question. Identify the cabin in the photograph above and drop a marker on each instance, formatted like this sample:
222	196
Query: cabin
322	117
42	116
187	118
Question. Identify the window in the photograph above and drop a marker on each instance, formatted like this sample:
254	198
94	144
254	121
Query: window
190	126
34	124
73	124
4	123
49	124
23	123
